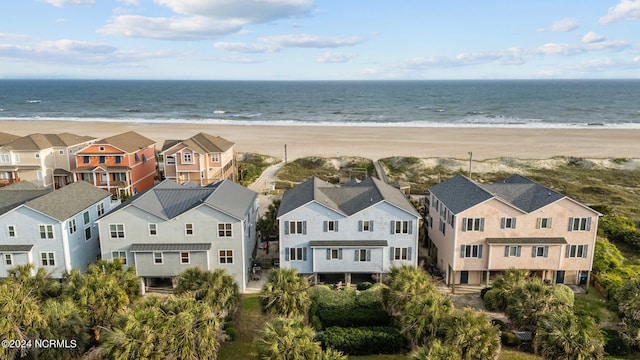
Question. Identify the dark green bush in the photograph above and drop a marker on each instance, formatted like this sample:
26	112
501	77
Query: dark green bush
363	340
500	324
614	343
353	317
231	332
484	291
364	285
509	339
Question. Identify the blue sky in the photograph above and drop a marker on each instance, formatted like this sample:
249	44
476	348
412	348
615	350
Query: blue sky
320	39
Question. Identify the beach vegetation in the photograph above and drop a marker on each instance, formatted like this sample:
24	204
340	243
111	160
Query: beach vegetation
286	293
251	166
333	170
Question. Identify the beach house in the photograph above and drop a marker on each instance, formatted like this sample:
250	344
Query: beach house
172	227
122	164
46	159
53	230
477	230
201	159
354	232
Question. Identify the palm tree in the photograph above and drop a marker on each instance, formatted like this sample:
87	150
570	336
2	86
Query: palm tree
404	284
503	285
532	300
564	336
64	322
287	339
217	288
436	350
424	316
126	276
286	293
473	334
42	284
21	318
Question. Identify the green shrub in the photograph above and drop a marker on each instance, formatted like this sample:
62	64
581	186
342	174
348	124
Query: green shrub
326	297
509	339
614	343
500	324
371	298
363	286
363	340
353	317
231	332
484	291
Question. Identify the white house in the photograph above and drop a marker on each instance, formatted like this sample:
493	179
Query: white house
363	228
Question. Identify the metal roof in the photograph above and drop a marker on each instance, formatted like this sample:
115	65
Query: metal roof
170	247
527	241
348	243
16	248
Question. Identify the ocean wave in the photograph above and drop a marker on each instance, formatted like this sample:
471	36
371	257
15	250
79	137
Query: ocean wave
34	101
219	112
133	110
497	122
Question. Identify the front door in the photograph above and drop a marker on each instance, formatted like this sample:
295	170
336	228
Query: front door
464	277
560	277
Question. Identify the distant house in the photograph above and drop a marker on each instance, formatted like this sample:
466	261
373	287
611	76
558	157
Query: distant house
54	230
477	230
123	164
172	227
45	159
362	228
201	159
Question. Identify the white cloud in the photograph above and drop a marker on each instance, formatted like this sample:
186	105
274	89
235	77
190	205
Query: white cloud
130	2
574	49
625	10
9	36
204	19
563	25
335	57
592	37
60	3
268	44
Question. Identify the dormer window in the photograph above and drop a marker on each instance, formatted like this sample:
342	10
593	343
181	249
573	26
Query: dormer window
187	158
101	148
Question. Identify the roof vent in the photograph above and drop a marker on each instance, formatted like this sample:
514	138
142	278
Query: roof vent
549	194
371	200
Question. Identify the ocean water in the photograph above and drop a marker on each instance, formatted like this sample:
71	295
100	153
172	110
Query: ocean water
499	103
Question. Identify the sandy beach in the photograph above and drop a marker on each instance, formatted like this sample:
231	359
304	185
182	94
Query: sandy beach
373	142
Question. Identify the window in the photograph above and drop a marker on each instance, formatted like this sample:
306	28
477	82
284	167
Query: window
540	251
576	251
185	258
224	230
86	217
120	176
153	229
103	159
116	231
296	227
471	251
5	158
442	226
187	158
144	158
135	157
48	259
188	229
122	255
334	254
401	253
330	226
46	231
72	226
158	258
118	159
543	223
580	224
512	251
225	256
366	225
17	157
11	231
215	157
363	255
171	160
473	224
295	254
37	155
8	259
400	227
87	234
507	223
100	209
39	174
101	148
60	152
85	159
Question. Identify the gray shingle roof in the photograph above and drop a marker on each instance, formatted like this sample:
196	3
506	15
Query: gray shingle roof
68	200
460	193
170	247
16	194
348	243
170	199
348	199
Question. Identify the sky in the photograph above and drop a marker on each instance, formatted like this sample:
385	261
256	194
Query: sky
320	39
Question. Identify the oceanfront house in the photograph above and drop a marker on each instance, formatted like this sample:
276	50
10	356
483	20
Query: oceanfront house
202	159
52	229
478	230
122	164
46	159
172	227
354	232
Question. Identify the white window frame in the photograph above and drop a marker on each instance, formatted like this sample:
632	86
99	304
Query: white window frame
471	251
512	250
225	230
401	254
473	224
540	251
158	258
73	226
117	229
49	258
508	223
331	225
12	229
119	254
47	230
87	233
401	227
296	227
100	209
153	229
86	217
334	254
363	255
296	253
543	223
189	229
576	251
215	157
187	158
170	159
366	225
8	259
580	224
17	157
183	258
225	256
5	158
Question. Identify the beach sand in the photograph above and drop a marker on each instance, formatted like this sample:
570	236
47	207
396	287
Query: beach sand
372	142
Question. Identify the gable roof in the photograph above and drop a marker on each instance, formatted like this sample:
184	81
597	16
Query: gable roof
43	141
460	193
202	143
347	199
170	199
129	141
68	200
6	138
16	194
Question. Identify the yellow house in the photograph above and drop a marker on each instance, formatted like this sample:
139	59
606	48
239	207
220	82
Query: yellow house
476	230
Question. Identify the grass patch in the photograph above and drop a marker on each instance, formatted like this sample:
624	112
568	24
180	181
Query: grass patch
517	355
251	166
249	322
331	170
595	305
